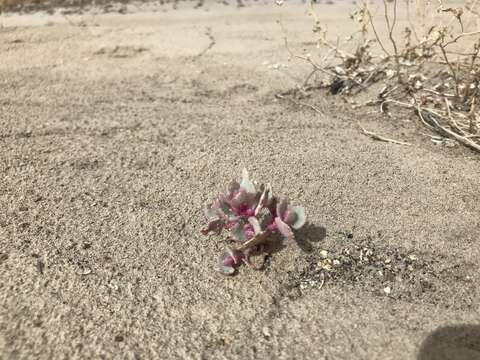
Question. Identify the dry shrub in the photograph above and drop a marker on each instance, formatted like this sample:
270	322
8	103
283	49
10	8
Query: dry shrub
429	65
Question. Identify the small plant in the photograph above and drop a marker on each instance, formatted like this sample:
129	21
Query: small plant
428	65
252	216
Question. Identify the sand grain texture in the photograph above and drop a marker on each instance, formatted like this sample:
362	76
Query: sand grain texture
114	135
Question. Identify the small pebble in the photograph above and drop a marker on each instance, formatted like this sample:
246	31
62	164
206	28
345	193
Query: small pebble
387	290
40	266
325	265
323	254
266	332
85	271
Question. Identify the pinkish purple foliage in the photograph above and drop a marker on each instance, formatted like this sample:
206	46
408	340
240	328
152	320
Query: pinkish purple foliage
251	215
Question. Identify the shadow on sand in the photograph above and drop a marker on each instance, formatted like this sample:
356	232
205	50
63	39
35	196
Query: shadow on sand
308	235
304	238
460	342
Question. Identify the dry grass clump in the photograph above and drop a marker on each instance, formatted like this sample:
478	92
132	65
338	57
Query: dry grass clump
428	63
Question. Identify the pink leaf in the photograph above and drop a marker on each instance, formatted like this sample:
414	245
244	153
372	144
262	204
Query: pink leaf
284	229
282	206
255	224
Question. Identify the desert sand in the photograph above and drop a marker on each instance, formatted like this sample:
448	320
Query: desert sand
117	129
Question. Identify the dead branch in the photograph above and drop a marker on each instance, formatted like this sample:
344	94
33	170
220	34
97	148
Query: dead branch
299	103
429	117
390	35
382	138
444	99
374	29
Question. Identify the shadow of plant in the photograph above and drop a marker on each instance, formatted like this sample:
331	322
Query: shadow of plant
308	235
460	342
304	238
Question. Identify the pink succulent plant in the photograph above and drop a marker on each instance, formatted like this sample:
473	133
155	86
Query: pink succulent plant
251	216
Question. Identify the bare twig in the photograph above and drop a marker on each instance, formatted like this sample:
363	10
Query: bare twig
258	239
402	70
428	117
382	138
374	29
450	66
409	19
462	35
453	123
391	27
300	103
473	128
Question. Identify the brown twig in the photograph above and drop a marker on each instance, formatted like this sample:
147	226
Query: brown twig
409	19
446	132
462	35
450	66
453	123
258	239
374	29
300	103
382	138
391	27
473	128
400	69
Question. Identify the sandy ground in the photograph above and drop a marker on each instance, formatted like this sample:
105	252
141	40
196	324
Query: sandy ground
113	136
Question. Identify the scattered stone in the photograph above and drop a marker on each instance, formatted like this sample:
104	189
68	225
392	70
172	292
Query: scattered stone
38	198
40	266
24	225
380	270
323	254
3	257
226	339
325	264
85	271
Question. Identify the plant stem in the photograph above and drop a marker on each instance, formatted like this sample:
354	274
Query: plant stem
256	240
